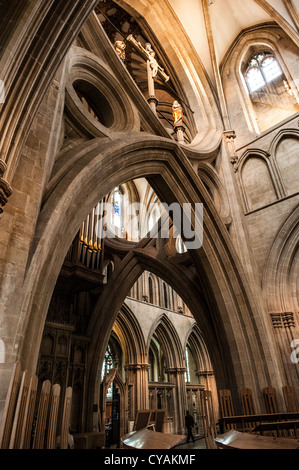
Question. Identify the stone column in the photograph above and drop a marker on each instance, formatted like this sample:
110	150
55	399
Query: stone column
177	377
209	383
152	99
137	374
179	129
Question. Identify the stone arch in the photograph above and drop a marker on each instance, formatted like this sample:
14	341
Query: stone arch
280	292
88	75
68	202
212	180
263	35
286	160
21	95
199	349
130	336
260	187
169	338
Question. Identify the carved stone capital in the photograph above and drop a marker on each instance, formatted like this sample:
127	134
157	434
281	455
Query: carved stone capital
175	370
139	366
205	373
153	99
229	136
234	159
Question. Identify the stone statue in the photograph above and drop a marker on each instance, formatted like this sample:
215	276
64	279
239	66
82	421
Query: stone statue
149	55
120	46
177	112
152	61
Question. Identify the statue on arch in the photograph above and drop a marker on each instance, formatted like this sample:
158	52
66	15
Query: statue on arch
149	54
120	47
177	112
152	60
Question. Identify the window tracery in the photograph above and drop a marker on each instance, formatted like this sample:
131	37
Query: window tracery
262	69
268	86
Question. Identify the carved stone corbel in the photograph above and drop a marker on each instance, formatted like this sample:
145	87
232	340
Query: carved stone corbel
5	188
230	142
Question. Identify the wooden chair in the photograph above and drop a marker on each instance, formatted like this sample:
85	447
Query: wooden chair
271	405
142	419
226	406
160	414
290	399
156	420
248	407
206	411
247	401
271	400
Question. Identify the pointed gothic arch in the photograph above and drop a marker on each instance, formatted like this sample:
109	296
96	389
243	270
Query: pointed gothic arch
199	348
130	336
167	336
162	163
276	284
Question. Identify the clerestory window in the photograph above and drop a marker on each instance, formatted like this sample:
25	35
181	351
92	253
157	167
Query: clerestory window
262	68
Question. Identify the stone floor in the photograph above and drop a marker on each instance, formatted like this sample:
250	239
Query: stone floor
199	443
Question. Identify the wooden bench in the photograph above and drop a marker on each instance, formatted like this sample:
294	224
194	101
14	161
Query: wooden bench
277	426
241	422
239	440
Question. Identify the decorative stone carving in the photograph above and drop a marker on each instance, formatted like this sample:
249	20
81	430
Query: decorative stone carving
153	68
149	55
205	373
177	112
283	320
5	188
230	142
120	47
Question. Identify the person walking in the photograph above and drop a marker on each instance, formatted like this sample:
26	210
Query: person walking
189	422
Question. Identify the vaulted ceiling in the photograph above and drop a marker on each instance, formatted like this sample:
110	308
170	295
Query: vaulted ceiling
228	18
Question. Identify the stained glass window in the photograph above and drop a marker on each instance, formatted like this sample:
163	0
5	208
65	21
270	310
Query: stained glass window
116	208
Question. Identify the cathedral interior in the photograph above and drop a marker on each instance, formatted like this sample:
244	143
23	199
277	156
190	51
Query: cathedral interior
115	118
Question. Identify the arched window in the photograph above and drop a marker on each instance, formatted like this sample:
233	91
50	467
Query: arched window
116	214
262	68
270	93
180	245
154	216
165	295
187	373
150	290
107	365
